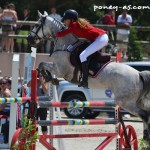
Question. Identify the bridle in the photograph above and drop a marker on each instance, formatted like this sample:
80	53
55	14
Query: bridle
42	22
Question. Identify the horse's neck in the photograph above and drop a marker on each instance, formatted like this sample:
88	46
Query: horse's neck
56	26
62	42
62	67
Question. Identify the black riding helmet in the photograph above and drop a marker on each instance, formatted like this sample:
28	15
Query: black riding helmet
70	14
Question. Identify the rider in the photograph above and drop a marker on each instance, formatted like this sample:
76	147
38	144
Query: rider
82	28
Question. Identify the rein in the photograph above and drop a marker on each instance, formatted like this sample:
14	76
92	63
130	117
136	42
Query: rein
55	41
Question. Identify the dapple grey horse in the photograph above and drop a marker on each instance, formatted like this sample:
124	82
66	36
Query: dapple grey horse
130	87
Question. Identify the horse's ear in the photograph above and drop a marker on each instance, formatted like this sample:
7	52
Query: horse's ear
39	14
45	13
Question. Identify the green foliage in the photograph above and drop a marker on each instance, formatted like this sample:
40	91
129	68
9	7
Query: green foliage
143	145
140	16
28	127
135	50
86	10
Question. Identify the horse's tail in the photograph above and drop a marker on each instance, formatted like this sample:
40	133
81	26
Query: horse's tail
145	77
144	98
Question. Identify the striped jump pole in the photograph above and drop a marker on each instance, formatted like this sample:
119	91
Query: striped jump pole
108	136
76	122
48	104
23	99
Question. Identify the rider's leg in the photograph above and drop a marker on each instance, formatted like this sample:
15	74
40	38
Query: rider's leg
84	81
98	44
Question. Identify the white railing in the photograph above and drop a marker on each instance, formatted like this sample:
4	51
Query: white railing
106	27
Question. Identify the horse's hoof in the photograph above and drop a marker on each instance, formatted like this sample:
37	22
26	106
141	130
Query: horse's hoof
146	135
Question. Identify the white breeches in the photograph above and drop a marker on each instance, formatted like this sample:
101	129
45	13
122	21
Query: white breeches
98	44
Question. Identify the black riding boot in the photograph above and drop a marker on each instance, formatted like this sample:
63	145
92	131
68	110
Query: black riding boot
84	82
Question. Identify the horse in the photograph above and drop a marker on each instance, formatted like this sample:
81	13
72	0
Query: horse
130	87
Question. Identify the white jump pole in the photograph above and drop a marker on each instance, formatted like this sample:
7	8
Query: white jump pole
14	91
52	114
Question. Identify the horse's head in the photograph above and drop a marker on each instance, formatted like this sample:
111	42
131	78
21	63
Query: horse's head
42	29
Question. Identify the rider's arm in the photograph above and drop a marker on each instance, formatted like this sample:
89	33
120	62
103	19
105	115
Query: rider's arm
64	32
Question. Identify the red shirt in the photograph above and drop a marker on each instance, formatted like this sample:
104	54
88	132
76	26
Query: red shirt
90	33
108	20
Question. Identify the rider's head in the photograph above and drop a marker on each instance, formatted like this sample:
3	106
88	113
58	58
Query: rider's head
69	16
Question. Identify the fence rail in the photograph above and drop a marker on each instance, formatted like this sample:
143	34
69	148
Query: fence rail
25	36
106	27
114	27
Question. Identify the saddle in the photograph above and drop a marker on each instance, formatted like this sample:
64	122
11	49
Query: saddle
96	61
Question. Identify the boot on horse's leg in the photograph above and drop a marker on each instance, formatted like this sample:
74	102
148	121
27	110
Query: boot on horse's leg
84	82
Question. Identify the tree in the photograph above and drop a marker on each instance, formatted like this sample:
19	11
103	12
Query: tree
135	50
86	9
139	15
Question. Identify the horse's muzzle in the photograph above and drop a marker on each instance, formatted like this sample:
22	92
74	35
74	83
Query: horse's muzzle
31	40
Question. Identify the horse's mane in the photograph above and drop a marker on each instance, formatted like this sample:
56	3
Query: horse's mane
60	26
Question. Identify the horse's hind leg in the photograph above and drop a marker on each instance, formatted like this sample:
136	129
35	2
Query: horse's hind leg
145	116
148	126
